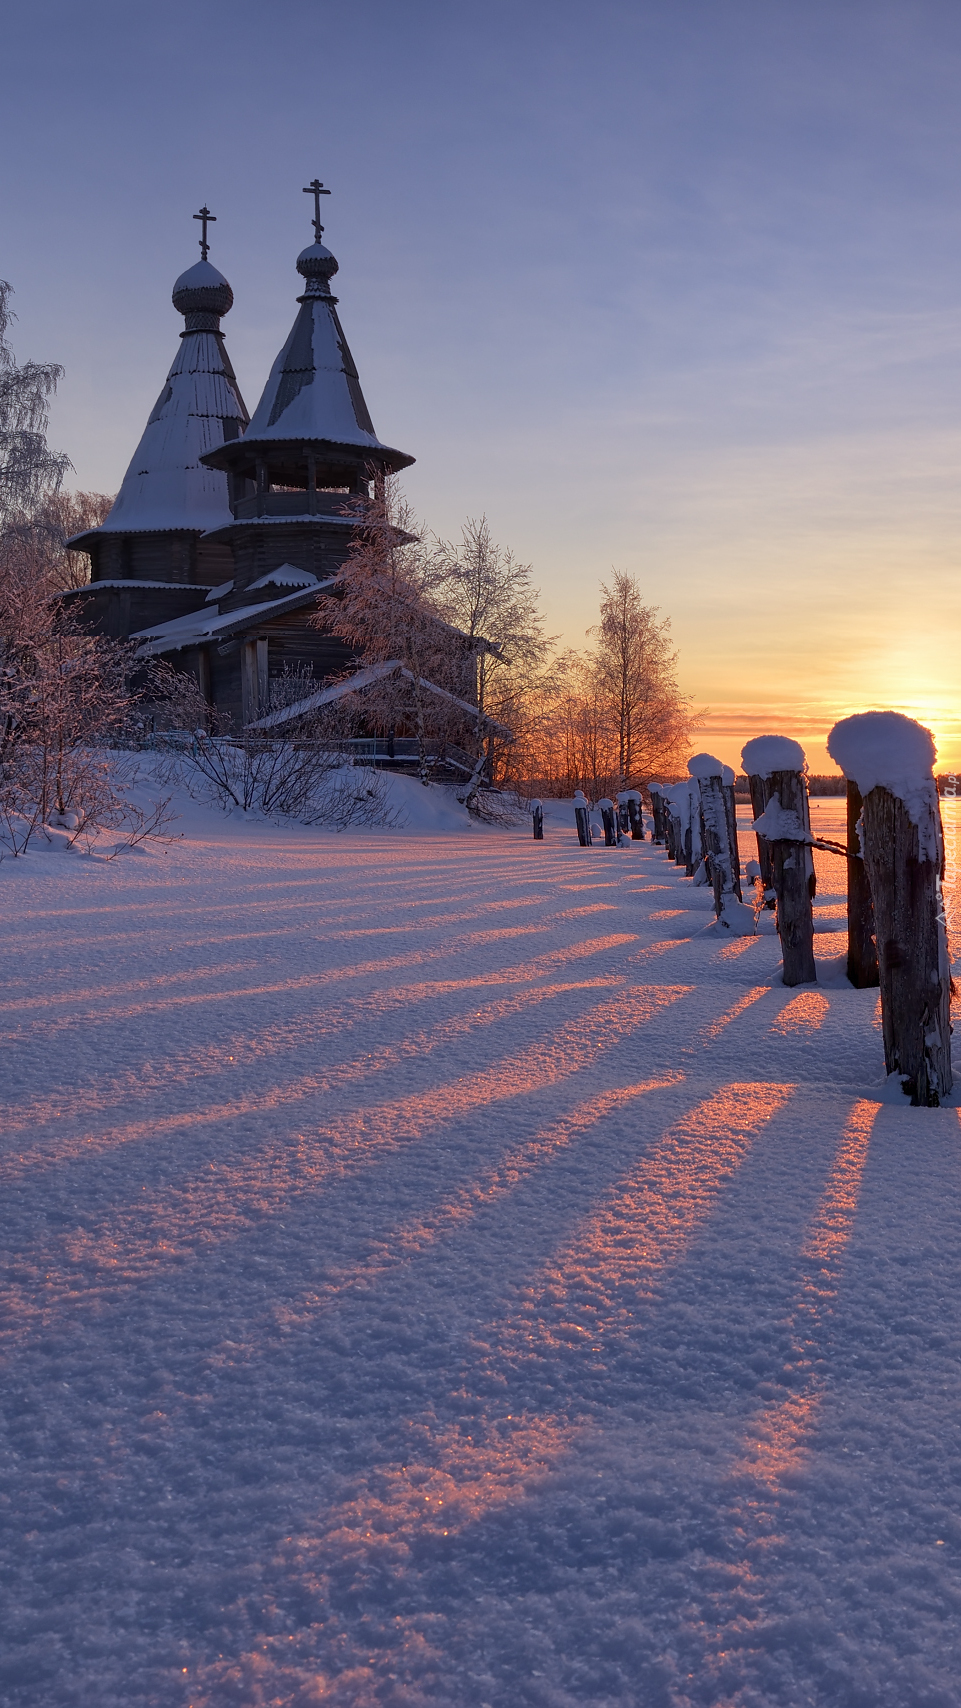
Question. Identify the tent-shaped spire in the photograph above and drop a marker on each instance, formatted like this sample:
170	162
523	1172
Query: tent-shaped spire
166	485
313	395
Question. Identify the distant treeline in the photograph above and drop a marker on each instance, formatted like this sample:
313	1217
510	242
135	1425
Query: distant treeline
817	785
948	782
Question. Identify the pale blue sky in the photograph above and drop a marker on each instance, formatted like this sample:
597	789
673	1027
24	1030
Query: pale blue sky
668	287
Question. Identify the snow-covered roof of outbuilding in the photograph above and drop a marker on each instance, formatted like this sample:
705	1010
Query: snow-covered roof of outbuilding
367	678
166	486
209	623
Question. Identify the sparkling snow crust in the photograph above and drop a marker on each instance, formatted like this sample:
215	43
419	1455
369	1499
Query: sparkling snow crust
440	1268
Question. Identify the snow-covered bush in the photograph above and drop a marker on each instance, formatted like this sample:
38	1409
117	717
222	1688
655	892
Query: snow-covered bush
314	782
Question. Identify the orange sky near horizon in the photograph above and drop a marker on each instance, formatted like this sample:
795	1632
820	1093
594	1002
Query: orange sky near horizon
726	727
804	582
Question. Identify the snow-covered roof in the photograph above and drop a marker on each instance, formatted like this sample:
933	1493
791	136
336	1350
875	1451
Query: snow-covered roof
356	684
313	391
299	520
288	575
197	627
166	485
128	583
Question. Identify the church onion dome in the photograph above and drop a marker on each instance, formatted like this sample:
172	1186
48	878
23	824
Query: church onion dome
167	486
201	290
313	395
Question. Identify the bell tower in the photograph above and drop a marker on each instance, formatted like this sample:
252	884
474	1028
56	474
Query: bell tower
309	452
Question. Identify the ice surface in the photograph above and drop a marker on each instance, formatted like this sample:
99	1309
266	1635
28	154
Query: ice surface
441	1268
769	753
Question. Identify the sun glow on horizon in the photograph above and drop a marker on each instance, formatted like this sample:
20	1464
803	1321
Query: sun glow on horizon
725	727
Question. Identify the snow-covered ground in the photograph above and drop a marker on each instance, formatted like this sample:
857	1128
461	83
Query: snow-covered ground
439	1270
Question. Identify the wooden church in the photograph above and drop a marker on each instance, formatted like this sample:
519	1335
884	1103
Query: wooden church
227	526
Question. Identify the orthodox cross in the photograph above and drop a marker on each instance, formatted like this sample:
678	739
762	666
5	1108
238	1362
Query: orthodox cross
316	189
205	215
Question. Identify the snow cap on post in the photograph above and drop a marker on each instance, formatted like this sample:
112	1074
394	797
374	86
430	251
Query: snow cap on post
580	799
769	753
705	765
884	750
655	788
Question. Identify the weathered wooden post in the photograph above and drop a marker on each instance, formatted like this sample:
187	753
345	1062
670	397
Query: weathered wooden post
775	770
694	841
609	821
635	814
862	965
677	825
537	815
582	818
679	805
730	812
657	812
721	844
891	759
623	817
760	794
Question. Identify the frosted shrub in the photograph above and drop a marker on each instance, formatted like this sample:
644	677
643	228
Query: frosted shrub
313	782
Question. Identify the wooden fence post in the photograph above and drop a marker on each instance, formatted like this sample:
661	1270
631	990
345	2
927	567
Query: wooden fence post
582	818
862	949
730	810
685	803
695	843
674	807
635	823
537	815
774	766
657	813
891	759
761	790
609	821
721	844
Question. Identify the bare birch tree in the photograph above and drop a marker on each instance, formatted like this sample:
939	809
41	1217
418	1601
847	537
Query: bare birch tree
29	471
635	671
63	693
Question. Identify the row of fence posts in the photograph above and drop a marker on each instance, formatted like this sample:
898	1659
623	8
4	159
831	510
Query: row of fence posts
620	822
894	858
